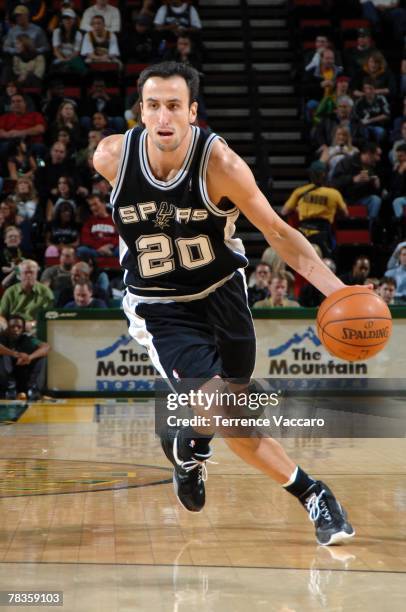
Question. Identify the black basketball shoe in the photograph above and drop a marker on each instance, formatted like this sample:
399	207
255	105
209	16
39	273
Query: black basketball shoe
329	518
190	472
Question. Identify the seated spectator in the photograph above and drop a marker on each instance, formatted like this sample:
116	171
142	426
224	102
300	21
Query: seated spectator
319	82
373	111
359	273
342	147
317	205
67	118
380	12
19	123
356	57
28	296
26	198
377	71
64	193
396	133
66	44
20	162
100	45
386	290
278	288
398	143
57	277
309	296
99	278
99	100
8	210
323	133
177	18
80	273
59	6
55	166
328	104
62	230
11	255
52	99
398	272
23	25
137	42
100	123
83	297
357	178
133	114
111	16
93	139
28	66
312	58
397	191
99	236
260	290
11	88
22	361
64	136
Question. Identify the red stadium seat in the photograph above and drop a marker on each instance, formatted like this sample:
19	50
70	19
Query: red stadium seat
358	211
72	92
104	67
353	236
354	24
314	23
131	69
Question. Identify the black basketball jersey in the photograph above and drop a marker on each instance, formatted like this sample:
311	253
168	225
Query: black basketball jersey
174	242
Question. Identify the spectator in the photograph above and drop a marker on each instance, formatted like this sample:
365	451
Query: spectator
397	191
8	210
83	297
22	361
356	57
26	198
99	100
397	124
357	178
67	118
57	277
380	12
23	26
28	296
278	288
47	176
342	147
19	123
100	45
111	16
66	44
260	290
64	193
98	236
99	278
320	81
328	104
52	100
398	272
93	139
80	273
177	18
376	69
397	143
28	66
11	88
20	162
137	43
317	205
359	273
373	111
64	136
62	230
323	133
387	289
312	58
100	123
309	296
11	255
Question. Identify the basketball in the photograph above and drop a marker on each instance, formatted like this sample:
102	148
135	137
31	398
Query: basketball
354	323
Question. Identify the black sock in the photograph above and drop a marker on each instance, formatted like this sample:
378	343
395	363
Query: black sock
301	483
192	442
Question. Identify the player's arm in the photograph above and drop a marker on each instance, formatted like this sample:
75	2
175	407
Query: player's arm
107	156
229	176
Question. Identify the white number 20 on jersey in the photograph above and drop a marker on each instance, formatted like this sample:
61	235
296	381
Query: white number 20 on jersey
156	253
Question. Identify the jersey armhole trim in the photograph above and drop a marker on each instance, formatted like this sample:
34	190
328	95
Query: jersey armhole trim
203	176
122	166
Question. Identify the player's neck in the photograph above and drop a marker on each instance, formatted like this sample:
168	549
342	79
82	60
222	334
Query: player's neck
166	164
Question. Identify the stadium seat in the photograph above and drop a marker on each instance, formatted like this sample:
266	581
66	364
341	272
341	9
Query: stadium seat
353	236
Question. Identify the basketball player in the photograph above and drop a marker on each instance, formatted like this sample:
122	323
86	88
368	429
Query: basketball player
177	192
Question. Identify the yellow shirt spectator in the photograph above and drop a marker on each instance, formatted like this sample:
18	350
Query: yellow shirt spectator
313	202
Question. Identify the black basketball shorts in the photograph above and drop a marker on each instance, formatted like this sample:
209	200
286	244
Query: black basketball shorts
197	339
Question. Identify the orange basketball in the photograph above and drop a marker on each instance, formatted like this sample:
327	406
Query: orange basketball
354	323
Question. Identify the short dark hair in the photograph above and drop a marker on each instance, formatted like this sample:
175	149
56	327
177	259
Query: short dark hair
165	70
98	17
368	147
16	316
401	147
387	280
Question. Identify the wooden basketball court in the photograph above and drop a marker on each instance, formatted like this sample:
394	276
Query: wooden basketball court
88	508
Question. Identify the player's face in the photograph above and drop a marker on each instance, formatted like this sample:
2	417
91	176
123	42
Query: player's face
166	112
